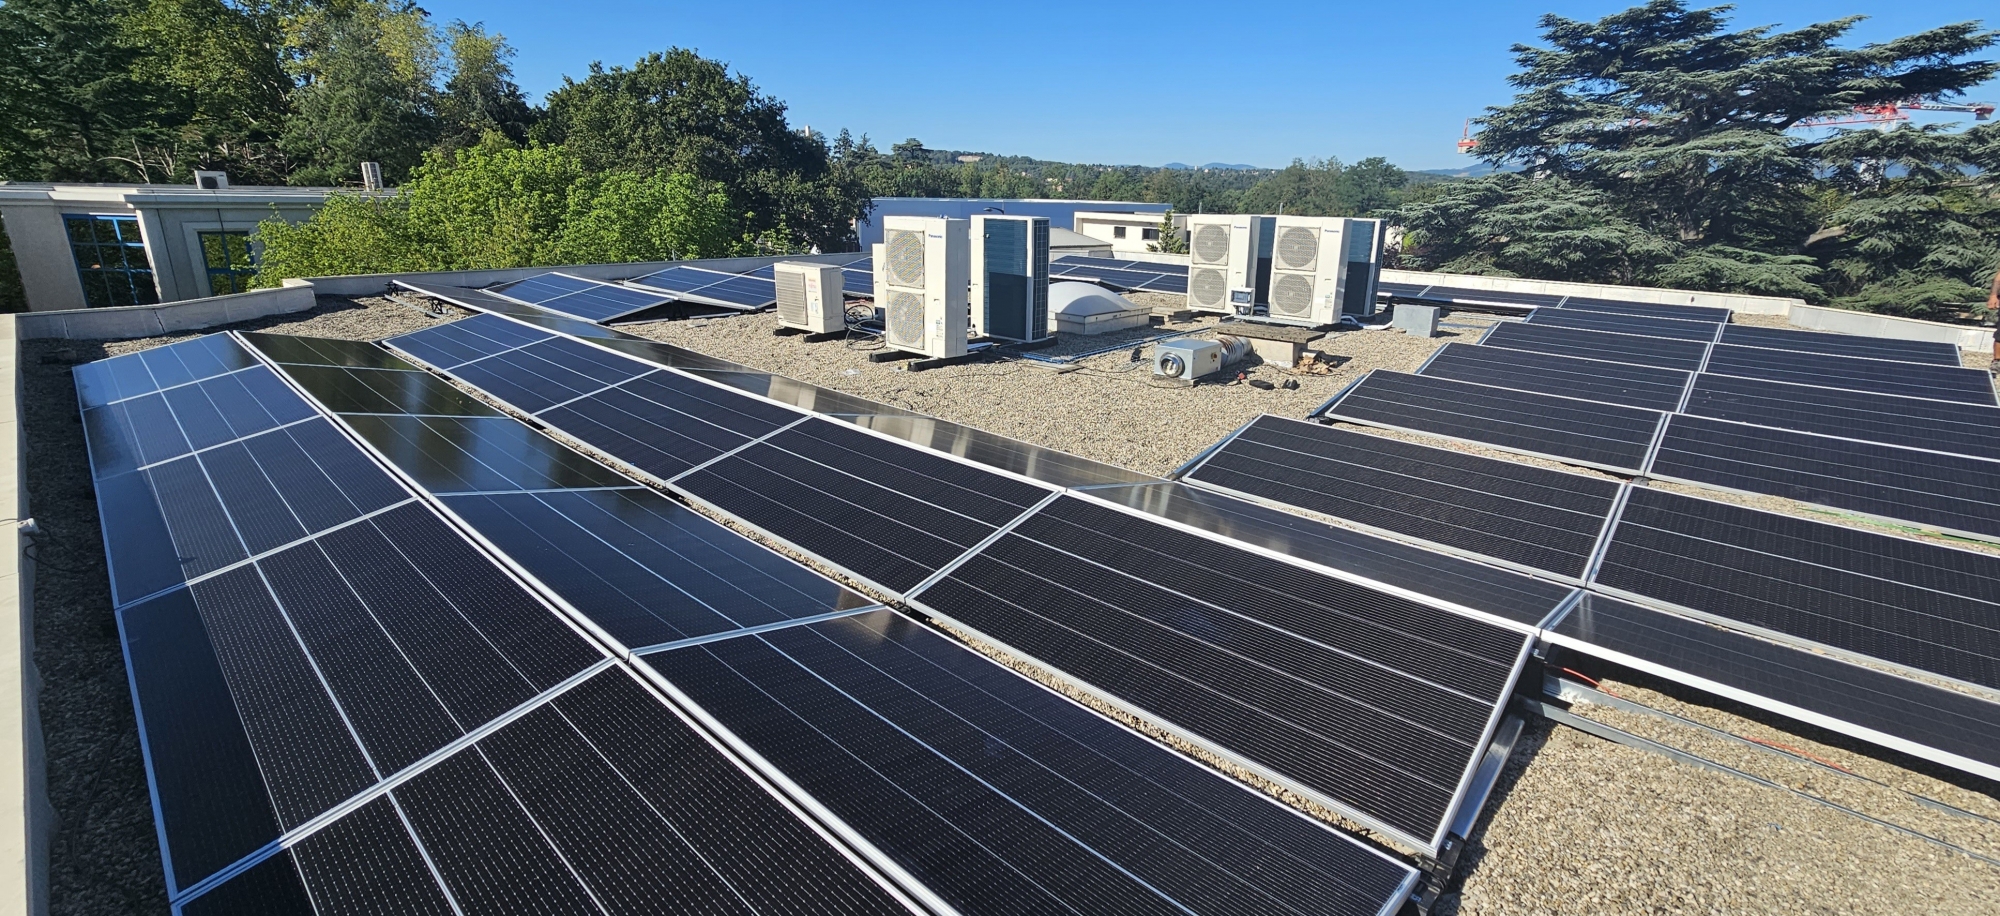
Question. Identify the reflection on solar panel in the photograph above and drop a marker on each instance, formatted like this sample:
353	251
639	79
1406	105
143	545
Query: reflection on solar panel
1531	517
1910	351
1625	324
1478	586
543	288
1566	376
881	511
1911	604
1044	464
589	300
1373	704
1580	432
998	794
632	345
1709	314
1683	355
1944	383
1941	725
1944	426
711	286
1951	493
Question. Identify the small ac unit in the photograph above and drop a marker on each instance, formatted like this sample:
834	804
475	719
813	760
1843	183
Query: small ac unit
809	297
922	279
1308	265
211	180
1364	266
1010	277
1222	255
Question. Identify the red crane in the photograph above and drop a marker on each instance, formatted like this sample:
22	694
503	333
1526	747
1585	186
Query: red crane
1872	115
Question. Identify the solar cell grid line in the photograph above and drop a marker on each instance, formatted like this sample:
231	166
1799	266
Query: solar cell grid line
1952	493
1521	516
103	381
1943	383
1943	726
1479	588
1000	795
1589	434
531	319
543	287
1911	351
1664	353
1677	329
604	302
448	346
1647	309
1645	387
1299	676
1910	604
1942	426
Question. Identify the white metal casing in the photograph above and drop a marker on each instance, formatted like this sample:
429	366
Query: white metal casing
1186	359
922	280
1222	255
809	297
1308	270
1005	250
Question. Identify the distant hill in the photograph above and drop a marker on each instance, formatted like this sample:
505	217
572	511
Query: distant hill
1474	170
1236	167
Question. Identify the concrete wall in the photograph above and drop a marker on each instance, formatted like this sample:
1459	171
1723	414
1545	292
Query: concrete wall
1104	226
1819	318
26	820
41	249
173	240
377	284
1749	305
165	318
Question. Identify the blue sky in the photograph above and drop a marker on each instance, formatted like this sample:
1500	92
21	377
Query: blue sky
1129	83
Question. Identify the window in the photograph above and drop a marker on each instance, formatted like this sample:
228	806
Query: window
111	260
229	261
1118	232
1150	235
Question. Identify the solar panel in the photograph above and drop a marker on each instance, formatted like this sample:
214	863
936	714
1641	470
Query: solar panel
1625	324
528	319
548	373
605	302
1945	726
664	424
1945	426
1683	355
354	390
1579	432
1112	277
1491	297
1404	290
766	272
1953	493
1480	587
865	265
1908	603
681	279
1646	309
857	282
746	292
478	454
996	793
1943	383
1524	516
1372	704
881	511
1548	373
101	382
1044	464
1911	351
1168	283
542	288
316	351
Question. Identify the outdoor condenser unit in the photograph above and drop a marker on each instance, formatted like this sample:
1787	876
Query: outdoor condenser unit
809	297
1308	265
1010	277
1222	255
922	279
1364	266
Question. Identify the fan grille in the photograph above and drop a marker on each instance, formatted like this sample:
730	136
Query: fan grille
791	297
906	257
904	321
1291	295
1298	247
1208	286
1211	244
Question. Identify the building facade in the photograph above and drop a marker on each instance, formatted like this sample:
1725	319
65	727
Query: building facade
90	246
1061	213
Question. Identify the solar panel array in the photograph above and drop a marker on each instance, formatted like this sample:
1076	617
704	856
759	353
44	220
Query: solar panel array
1145	276
589	300
1511	300
697	284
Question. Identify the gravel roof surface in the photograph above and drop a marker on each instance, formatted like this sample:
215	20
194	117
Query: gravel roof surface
1577	824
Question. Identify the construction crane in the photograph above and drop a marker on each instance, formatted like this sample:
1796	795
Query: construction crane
1880	116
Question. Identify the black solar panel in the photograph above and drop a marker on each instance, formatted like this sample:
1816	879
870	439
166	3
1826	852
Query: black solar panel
1566	376
1945	426
1909	603
1045	464
542	375
478	454
1112	277
544	287
1943	383
1372	703
1528	516
1949	492
392	391
1490	297
1580	432
603	302
101	382
1943	725
1684	355
319	351
803	395
882	511
1910	351
1478	586
999	795
448	346
1625	324
1709	314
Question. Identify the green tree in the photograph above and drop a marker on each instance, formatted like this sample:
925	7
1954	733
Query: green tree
223	86
480	96
361	102
1171	240
71	108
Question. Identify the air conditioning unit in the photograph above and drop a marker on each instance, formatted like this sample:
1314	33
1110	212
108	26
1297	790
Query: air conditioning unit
1364	266
921	283
809	297
1308	267
1010	277
211	181
1222	256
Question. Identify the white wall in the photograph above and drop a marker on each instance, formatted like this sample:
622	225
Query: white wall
1105	226
1059	212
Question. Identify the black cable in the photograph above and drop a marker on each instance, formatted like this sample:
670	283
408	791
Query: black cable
33	549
